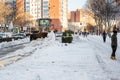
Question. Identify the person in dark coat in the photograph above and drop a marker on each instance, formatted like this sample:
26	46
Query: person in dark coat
114	45
104	36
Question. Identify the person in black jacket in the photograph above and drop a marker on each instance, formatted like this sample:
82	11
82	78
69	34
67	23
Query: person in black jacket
114	45
104	36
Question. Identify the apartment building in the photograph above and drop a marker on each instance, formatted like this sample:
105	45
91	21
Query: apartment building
75	16
53	9
33	7
45	9
72	16
58	10
36	8
64	16
80	18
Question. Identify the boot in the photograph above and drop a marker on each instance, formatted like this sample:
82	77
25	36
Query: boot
113	57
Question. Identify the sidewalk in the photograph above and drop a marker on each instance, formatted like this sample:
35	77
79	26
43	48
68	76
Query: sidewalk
76	61
73	62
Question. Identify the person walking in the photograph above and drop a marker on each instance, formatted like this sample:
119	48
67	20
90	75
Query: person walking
114	44
104	36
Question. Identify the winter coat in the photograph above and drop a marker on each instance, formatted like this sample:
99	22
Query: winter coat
104	34
114	40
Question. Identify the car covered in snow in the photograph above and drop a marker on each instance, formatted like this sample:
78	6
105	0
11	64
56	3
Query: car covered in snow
58	34
19	35
6	35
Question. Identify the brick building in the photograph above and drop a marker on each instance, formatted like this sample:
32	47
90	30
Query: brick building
75	16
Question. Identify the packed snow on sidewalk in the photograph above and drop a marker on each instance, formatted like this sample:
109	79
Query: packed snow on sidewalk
86	58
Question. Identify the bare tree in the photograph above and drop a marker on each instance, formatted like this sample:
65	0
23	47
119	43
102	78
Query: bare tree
104	11
23	19
5	11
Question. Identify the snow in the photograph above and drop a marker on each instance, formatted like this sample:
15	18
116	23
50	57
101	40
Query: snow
14	42
86	58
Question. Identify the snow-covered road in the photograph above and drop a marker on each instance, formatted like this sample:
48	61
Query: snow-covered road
84	59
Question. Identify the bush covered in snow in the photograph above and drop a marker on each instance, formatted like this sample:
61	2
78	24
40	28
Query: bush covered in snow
67	37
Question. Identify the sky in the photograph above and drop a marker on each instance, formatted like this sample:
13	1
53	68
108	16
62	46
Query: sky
75	4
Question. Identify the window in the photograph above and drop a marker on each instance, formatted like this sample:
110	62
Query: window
45	2
45	7
45	11
27	2
27	6
27	10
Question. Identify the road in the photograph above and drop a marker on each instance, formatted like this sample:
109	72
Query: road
8	50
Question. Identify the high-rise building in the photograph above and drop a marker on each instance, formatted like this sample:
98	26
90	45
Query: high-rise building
36	8
45	9
33	7
53	9
64	14
58	9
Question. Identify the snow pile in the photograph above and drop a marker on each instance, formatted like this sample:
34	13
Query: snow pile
28	49
87	58
14	42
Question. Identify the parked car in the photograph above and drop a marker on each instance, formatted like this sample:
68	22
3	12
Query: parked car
2	35
58	34
5	35
19	35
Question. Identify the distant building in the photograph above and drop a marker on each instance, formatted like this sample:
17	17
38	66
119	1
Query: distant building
72	16
45	9
64	14
78	16
53	9
80	19
36	8
75	16
58	10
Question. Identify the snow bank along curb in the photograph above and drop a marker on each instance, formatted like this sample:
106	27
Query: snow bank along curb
14	43
33	45
13	59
